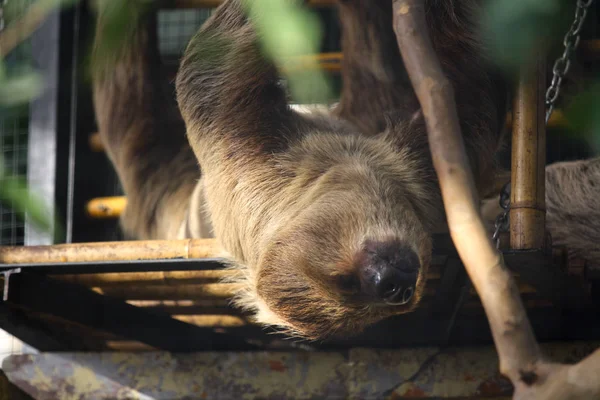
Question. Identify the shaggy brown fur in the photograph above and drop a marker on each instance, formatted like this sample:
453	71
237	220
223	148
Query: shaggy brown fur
305	203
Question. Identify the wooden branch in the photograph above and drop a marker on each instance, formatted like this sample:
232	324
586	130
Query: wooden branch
520	357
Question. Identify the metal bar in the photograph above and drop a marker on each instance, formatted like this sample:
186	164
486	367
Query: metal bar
43	124
73	114
82	306
527	212
128	266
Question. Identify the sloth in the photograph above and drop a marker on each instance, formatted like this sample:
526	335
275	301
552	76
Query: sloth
326	216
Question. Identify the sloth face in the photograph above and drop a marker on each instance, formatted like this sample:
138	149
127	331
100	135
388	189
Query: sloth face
357	253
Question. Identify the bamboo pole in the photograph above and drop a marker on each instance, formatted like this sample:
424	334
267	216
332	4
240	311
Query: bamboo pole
152	278
191	305
106	207
216	321
95	142
557	120
128	346
527	211
112	251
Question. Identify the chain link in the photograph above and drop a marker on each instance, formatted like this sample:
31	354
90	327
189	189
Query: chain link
502	220
563	63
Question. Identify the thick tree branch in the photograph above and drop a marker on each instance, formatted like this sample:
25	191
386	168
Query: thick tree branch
520	356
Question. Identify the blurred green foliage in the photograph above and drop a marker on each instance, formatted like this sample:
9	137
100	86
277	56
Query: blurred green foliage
288	30
20	83
516	31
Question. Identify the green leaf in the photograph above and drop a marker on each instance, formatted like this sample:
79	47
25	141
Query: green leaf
287	30
23	87
14	193
514	30
583	115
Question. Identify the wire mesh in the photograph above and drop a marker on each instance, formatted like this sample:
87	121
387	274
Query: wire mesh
14	127
175	29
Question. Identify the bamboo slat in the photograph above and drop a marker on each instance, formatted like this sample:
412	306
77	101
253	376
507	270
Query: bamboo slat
191	305
112	251
527	213
217	321
128	346
171	292
95	142
106	207
137	278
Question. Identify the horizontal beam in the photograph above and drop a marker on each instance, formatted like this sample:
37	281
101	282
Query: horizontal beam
152	250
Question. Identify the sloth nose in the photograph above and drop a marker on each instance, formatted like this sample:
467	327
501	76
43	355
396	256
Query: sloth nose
393	285
389	272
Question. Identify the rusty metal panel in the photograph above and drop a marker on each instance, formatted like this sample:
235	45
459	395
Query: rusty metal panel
355	374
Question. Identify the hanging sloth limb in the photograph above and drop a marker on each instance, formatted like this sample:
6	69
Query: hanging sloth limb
521	359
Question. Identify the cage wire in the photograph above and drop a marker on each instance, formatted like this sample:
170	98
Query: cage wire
14	129
14	134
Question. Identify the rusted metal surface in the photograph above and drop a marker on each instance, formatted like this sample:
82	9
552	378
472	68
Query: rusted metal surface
527	212
354	374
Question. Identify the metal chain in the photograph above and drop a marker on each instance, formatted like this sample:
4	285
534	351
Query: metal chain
502	220
563	63
559	71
